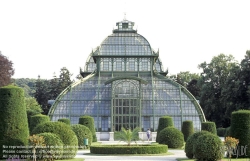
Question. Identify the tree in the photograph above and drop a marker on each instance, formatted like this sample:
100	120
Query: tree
42	93
53	88
194	88
64	79
184	78
6	70
212	82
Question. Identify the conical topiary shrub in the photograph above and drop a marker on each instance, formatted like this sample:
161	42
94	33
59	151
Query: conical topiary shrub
209	126
65	120
165	121
187	129
14	129
37	119
240	129
89	122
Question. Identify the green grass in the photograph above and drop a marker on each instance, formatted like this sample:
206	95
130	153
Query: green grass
75	159
224	159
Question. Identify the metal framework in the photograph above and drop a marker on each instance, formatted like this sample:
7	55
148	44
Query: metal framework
124	85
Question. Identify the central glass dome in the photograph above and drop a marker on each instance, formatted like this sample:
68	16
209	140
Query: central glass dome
124	85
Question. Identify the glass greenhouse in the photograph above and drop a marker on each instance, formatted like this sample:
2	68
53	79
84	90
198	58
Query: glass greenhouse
124	85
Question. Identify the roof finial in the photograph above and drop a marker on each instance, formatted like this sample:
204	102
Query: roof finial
124	16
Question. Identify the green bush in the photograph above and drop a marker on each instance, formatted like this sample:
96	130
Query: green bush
187	129
37	119
209	126
221	131
14	124
227	133
65	133
240	129
89	122
53	147
30	113
65	120
165	121
82	132
172	137
208	147
134	149
191	141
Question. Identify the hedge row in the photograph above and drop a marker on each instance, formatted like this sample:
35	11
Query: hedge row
133	149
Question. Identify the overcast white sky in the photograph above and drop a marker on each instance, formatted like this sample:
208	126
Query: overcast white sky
41	37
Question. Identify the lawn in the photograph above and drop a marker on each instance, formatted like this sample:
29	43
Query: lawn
224	159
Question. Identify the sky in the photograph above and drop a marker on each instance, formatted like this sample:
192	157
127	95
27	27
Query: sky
42	36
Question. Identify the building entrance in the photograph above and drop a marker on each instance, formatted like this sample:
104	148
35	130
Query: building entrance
126	105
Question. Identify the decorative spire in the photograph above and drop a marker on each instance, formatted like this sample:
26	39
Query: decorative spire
124	19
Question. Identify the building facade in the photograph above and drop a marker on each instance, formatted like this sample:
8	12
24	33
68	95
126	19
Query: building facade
124	85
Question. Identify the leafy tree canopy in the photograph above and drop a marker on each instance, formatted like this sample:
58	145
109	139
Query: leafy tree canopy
6	70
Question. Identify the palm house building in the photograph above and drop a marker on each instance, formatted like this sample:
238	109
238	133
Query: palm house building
124	85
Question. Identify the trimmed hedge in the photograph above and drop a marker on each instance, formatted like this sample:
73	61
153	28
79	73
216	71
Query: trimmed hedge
65	120
54	147
165	121
82	132
228	132
240	129
38	119
65	133
14	129
221	131
208	147
187	129
133	149
90	123
209	126
172	137
190	143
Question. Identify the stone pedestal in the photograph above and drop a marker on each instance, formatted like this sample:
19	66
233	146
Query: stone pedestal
98	136
111	136
142	135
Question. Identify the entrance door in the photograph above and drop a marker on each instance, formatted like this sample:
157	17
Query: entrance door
126	105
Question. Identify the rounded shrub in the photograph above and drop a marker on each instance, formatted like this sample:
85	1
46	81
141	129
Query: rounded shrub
38	119
221	131
187	129
53	147
240	129
65	120
165	121
14	124
208	147
65	133
191	141
171	137
82	132
90	123
209	126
